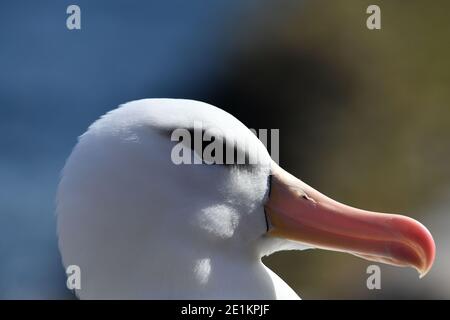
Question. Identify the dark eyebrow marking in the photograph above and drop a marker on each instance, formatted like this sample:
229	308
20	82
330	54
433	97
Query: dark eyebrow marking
230	147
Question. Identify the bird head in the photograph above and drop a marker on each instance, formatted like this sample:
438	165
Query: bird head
141	224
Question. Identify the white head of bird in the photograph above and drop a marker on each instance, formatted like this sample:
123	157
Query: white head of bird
140	226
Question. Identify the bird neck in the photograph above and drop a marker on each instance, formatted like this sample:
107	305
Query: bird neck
225	276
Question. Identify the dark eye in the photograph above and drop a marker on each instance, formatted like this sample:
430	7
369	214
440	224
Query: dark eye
234	154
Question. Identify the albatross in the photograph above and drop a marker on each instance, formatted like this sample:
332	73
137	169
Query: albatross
140	226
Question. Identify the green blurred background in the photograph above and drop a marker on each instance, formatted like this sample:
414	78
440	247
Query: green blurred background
366	119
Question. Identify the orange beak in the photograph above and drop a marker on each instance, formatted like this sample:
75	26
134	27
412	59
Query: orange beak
298	212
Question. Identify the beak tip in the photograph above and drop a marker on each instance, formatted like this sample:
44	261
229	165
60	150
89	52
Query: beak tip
424	272
429	252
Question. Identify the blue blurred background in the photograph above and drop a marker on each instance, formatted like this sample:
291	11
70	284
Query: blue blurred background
364	116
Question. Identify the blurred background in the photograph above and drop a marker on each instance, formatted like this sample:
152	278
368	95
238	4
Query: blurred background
364	116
